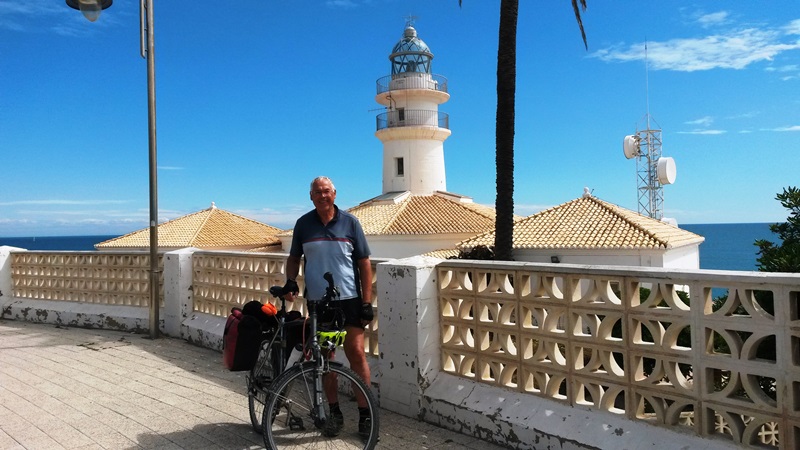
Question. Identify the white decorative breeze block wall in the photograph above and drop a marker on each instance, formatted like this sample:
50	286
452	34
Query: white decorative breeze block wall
527	355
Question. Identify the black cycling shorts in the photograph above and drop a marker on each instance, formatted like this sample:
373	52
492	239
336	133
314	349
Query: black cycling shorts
340	313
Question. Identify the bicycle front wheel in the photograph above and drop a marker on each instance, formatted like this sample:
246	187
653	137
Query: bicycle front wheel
292	420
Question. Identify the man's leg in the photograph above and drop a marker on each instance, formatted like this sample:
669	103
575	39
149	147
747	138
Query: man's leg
354	350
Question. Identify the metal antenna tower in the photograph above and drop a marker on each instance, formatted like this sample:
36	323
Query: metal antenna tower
652	171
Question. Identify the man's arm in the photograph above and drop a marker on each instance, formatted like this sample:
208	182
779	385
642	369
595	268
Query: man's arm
292	267
292	270
365	277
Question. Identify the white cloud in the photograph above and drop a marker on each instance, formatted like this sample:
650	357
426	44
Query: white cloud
786	68
735	49
9	7
63	202
4	221
793	27
708	132
19	16
341	3
747	115
791	128
716	18
704	121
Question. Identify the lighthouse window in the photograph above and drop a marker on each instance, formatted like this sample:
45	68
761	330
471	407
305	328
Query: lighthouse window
401	114
398	162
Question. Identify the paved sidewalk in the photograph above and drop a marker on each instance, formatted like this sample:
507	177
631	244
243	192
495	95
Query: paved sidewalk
97	389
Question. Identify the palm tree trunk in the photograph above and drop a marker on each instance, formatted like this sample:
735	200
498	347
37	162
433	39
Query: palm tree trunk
504	135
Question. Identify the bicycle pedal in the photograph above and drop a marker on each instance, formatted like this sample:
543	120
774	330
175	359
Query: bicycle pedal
296	424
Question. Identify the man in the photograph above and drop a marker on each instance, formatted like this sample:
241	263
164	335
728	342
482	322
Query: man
333	241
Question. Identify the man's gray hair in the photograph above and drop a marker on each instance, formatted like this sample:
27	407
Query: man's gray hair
322	178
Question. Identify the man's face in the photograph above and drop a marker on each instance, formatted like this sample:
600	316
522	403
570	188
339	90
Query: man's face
323	195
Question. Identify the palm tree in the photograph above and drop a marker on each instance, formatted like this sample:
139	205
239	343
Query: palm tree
504	132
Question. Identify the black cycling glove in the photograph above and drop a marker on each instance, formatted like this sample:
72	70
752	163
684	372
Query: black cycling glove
291	286
366	312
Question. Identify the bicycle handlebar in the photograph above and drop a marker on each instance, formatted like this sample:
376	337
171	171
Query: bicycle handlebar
331	292
276	291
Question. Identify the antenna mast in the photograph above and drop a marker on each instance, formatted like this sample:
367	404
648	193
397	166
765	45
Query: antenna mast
652	171
651	193
646	85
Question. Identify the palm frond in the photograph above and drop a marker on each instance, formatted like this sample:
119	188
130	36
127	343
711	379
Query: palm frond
577	17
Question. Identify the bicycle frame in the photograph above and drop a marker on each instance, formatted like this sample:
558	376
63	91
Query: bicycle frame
331	293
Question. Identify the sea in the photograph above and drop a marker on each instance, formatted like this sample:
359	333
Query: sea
73	243
728	246
731	246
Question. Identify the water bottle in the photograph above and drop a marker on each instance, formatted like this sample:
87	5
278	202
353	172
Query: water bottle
297	353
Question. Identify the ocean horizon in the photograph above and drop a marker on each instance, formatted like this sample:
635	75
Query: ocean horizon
728	246
69	243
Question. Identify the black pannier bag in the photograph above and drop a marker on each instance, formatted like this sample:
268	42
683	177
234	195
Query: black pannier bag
244	331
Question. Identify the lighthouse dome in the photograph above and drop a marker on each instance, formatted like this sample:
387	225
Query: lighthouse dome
411	54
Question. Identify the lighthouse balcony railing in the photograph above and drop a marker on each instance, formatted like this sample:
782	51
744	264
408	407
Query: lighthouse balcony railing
412	80
412	118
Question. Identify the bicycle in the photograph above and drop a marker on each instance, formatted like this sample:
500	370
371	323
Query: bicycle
297	412
272	357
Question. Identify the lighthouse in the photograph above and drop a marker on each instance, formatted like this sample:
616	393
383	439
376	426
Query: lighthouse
415	214
412	129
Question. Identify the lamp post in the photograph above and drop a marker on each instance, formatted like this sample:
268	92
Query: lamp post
91	10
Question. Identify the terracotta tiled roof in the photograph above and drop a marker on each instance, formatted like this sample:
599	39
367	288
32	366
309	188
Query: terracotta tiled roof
272	248
443	254
590	223
209	228
402	213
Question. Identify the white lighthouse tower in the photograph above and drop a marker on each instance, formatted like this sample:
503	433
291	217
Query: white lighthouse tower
412	129
415	214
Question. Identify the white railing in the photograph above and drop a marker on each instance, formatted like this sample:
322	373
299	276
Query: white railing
585	337
223	280
91	277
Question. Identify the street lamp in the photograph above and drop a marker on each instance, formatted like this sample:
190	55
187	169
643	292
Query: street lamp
91	10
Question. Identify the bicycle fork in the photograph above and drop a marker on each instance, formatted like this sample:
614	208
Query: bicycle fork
319	393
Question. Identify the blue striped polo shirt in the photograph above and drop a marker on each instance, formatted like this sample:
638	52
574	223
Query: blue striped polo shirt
333	248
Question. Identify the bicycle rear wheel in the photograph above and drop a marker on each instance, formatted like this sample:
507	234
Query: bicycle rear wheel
293	419
258	381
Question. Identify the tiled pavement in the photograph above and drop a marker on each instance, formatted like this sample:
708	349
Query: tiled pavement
75	388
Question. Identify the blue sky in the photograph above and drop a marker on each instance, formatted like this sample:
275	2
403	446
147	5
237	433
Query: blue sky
256	99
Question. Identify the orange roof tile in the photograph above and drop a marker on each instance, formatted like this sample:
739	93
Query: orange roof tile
450	253
209	228
590	223
404	214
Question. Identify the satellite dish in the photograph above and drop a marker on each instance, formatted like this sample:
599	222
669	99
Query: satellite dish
630	146
666	170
